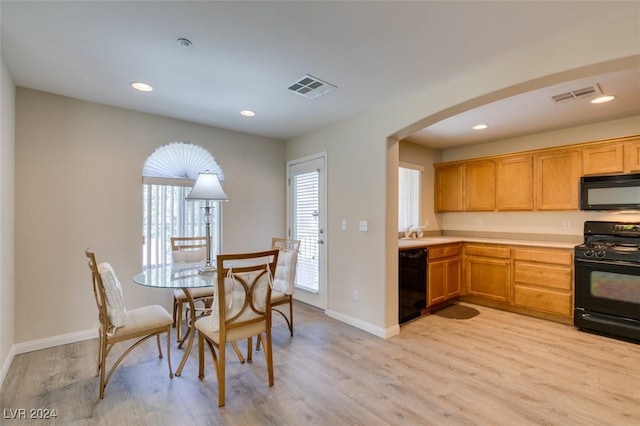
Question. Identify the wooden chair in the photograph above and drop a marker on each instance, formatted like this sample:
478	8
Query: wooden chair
283	294
117	324
188	250
241	311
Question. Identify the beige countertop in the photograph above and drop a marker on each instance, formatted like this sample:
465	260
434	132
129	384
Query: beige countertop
430	241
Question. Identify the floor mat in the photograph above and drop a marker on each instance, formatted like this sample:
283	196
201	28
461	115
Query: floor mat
457	312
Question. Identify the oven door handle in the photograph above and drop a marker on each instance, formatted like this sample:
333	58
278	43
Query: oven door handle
619	321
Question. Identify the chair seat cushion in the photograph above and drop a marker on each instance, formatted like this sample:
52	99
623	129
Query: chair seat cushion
196	293
142	319
203	325
116	309
277	297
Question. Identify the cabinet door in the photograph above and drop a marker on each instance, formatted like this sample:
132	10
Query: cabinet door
436	279
514	183
448	188
443	280
603	159
454	268
488	277
632	156
557	179
479	186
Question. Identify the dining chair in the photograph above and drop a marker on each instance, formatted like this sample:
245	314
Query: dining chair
188	250
241	310
118	324
285	275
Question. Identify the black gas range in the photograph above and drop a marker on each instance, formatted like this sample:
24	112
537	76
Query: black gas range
607	279
610	241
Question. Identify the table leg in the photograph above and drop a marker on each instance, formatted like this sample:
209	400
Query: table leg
191	332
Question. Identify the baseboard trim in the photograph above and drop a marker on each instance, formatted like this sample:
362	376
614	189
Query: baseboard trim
7	364
385	333
50	342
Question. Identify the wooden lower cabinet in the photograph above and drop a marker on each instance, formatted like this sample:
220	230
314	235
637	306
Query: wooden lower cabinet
443	273
543	280
536	281
488	271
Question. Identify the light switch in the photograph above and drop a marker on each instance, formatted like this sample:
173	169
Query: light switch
363	225
344	225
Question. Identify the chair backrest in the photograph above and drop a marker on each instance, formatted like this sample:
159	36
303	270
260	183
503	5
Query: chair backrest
188	243
244	289
98	291
285	243
188	249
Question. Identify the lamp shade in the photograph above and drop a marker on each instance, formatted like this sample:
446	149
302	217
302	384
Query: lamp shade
207	187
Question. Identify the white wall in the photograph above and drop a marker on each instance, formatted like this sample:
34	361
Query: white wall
363	151
7	182
78	184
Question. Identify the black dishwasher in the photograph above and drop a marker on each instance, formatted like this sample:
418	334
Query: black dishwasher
412	282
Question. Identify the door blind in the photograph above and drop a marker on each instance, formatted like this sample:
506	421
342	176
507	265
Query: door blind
305	201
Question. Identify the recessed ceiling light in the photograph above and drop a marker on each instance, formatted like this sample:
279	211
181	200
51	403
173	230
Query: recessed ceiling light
480	126
603	99
247	113
143	87
183	42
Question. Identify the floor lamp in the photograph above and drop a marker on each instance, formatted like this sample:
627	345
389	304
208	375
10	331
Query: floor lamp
208	188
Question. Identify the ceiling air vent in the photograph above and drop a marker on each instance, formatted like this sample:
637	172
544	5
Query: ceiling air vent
574	95
311	87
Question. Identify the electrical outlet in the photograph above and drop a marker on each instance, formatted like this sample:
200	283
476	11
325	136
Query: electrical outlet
363	225
426	223
343	226
566	224
479	222
356	295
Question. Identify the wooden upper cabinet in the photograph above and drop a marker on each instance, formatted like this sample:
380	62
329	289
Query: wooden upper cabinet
557	180
479	186
514	183
603	159
449	188
632	155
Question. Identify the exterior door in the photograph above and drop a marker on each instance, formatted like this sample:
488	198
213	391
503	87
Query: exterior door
306	222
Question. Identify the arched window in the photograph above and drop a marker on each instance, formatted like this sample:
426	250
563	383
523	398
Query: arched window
167	178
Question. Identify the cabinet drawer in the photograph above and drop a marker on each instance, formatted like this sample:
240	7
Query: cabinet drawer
543	300
437	252
501	252
543	275
559	257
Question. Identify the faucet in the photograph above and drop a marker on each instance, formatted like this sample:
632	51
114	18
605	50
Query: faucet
408	231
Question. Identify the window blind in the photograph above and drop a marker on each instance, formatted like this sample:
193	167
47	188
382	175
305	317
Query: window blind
408	197
167	214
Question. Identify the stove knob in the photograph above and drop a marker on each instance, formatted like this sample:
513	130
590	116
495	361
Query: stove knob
600	253
588	253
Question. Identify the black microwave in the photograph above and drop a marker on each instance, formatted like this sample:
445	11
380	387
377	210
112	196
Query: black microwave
610	192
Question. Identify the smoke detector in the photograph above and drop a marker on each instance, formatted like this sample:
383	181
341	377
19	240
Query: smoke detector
311	87
574	95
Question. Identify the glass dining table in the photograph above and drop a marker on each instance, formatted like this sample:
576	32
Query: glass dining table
183	276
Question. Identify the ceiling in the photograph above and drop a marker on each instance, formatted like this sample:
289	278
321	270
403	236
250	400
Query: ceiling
244	55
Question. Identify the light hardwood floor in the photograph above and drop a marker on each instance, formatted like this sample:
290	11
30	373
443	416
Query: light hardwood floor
497	368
